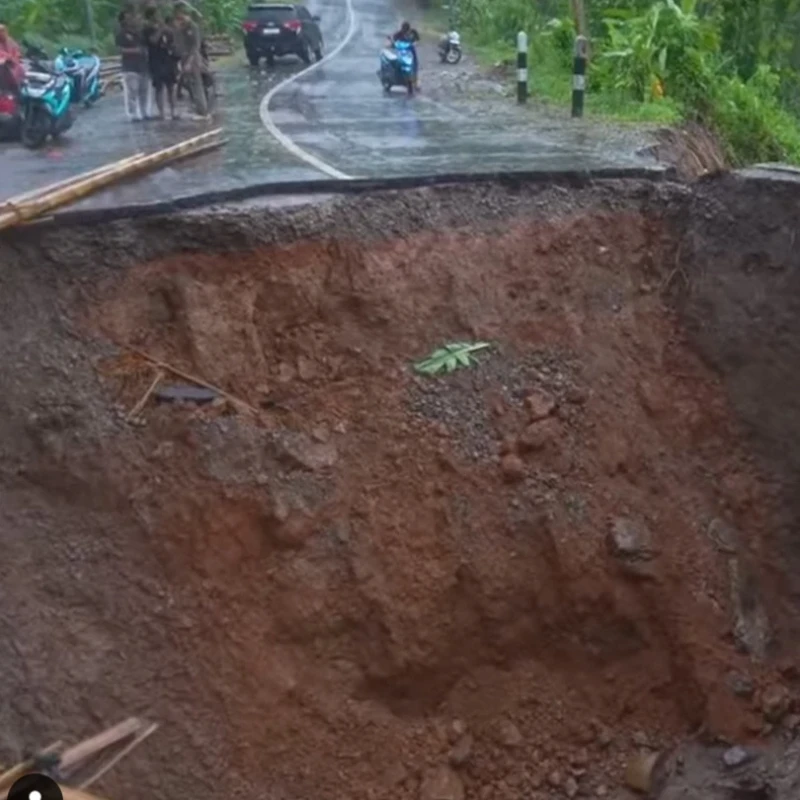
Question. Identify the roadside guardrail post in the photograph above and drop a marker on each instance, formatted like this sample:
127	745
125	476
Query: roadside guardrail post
522	67
579	75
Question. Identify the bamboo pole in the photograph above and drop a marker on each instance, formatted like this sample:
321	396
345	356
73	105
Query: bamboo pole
163	365
140	737
137	409
9	777
8	205
73	756
77	794
197	151
75	191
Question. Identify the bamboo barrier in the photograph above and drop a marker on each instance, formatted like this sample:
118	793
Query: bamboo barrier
12	202
88	183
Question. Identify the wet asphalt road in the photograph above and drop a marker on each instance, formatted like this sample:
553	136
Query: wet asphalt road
337	113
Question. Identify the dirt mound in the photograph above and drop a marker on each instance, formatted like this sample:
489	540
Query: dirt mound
692	150
490	583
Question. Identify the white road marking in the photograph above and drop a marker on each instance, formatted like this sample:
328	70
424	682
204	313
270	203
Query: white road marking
286	141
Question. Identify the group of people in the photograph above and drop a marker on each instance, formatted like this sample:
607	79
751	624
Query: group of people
165	53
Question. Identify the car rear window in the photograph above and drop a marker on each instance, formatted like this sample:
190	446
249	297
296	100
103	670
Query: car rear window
271	13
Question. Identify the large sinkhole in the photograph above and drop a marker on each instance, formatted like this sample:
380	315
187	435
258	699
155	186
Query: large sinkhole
342	578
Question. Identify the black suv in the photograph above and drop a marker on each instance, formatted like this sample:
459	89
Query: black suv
277	30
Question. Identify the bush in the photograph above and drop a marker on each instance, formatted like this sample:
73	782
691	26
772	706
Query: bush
664	47
492	22
750	120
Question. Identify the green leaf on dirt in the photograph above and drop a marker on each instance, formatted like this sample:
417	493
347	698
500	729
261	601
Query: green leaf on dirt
450	357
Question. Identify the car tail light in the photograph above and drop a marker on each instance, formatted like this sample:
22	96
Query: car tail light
249	27
293	25
8	104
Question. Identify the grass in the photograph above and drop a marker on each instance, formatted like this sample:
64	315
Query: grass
550	80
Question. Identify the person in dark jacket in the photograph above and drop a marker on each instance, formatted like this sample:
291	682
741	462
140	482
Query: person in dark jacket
135	83
162	60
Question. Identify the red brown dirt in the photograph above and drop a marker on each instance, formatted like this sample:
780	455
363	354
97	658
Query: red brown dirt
423	588
322	599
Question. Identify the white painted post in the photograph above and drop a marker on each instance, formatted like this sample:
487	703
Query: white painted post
522	67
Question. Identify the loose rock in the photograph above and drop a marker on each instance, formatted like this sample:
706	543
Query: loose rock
539	405
741	685
775	703
604	737
630	540
792	722
639	739
538	435
724	536
580	759
555	779
461	750
456	730
300	451
570	787
509	734
735	757
441	783
639	772
513	468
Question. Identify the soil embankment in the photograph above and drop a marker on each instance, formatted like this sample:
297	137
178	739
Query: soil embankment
492	584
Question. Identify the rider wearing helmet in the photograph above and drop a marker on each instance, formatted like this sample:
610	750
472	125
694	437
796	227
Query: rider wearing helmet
410	35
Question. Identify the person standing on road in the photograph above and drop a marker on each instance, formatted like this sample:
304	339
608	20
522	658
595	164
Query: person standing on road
162	61
188	43
11	55
135	83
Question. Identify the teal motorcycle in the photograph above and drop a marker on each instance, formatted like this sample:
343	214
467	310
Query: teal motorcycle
45	102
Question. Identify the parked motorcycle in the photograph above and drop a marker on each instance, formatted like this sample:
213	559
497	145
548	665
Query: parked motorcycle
450	48
83	69
397	67
45	98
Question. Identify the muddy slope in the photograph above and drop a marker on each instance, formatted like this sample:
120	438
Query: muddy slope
378	585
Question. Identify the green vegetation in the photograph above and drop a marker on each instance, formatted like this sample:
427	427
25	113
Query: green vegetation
733	65
69	23
450	357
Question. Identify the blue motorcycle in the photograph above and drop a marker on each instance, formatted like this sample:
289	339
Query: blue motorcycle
397	67
45	98
83	69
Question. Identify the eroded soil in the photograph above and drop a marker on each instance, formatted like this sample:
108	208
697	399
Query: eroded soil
498	583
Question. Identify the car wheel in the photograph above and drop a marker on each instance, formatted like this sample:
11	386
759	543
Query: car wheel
305	53
253	58
270	60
